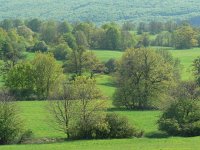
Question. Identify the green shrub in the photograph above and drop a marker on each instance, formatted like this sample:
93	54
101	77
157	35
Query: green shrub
112	126
97	130
10	123
182	118
120	127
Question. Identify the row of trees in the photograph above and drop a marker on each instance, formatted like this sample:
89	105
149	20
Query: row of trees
18	36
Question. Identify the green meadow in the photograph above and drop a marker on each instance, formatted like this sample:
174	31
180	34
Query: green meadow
36	117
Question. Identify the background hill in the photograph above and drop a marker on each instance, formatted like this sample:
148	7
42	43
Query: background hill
100	11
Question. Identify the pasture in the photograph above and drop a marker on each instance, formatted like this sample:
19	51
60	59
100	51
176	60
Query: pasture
36	117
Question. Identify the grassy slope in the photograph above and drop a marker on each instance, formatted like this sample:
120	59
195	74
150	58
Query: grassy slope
35	115
125	144
186	57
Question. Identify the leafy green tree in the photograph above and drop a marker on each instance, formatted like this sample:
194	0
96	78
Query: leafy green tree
196	69
81	39
79	108
112	38
64	27
128	40
17	23
128	26
110	65
155	27
174	62
89	107
20	80
34	25
141	28
164	39
62	52
7	24
143	79
25	32
70	40
47	72
91	63
49	32
144	40
185	37
40	46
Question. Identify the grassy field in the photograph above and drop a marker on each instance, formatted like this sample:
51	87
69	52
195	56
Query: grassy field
35	114
186	57
36	117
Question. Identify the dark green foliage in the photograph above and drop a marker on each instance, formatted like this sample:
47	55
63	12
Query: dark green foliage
7	24
39	46
62	52
182	118
34	25
64	27
120	127
110	66
196	69
49	32
112	38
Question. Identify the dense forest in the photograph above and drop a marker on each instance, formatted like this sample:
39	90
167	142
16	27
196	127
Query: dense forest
101	11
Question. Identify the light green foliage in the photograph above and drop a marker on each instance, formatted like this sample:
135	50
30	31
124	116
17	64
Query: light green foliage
20	79
26	33
185	37
47	74
143	78
37	77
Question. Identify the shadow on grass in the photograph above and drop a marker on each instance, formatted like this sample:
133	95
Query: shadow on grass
118	109
108	84
157	135
125	109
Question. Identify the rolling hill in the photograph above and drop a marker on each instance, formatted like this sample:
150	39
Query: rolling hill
100	11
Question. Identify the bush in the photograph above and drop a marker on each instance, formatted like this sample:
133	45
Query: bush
182	118
27	135
110	66
10	123
98	130
120	127
112	126
39	46
62	52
